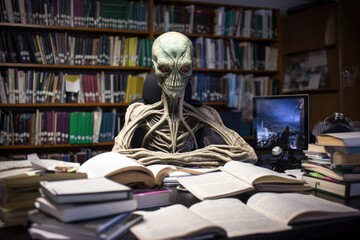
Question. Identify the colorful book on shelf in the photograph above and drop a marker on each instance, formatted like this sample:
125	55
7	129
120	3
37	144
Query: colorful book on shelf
73	128
260	214
84	190
329	185
345	139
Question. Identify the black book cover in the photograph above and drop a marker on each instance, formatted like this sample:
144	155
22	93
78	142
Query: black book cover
11	52
3	50
21	47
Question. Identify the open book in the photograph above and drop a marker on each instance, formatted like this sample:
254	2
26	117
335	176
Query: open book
122	169
238	177
263	213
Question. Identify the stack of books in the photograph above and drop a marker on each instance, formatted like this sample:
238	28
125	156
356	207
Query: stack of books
83	209
340	173
19	188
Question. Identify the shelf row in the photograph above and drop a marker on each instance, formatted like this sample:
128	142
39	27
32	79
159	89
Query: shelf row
75	50
77	129
84	13
189	18
219	21
46	87
59	127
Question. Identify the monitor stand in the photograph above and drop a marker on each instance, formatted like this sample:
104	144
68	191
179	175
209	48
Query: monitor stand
288	159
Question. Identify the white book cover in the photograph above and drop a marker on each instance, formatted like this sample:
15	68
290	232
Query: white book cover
76	212
85	190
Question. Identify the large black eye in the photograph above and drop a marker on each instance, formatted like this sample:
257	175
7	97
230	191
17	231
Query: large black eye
164	68
185	68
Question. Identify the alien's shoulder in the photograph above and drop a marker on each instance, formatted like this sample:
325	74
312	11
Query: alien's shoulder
136	109
210	112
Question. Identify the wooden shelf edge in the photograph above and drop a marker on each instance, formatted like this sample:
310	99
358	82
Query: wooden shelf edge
56	146
31	27
319	90
239	38
82	105
303	51
235	71
68	66
70	105
123	68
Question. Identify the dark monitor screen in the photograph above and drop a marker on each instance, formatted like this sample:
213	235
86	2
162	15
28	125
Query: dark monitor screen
281	120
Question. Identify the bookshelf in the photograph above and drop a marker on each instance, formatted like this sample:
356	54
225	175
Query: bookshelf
66	47
312	37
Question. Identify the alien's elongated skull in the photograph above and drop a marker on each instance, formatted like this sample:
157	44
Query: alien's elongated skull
172	58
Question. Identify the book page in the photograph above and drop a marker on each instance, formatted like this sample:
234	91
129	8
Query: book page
108	163
172	222
291	208
161	171
172	177
14	164
254	174
236	218
54	165
214	185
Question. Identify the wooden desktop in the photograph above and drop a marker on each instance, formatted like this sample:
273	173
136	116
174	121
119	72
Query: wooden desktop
334	229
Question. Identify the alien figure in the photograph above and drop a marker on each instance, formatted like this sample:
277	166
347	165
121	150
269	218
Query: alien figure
171	125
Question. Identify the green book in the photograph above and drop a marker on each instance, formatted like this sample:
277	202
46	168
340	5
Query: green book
72	128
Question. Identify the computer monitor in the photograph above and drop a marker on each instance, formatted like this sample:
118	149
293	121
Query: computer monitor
281	120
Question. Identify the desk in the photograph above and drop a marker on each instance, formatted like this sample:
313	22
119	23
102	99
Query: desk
334	229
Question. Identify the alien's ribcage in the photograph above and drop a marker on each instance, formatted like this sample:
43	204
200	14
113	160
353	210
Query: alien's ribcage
168	134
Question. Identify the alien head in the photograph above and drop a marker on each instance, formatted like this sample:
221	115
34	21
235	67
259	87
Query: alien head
172	59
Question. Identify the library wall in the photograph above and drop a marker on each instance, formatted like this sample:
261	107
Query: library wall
68	72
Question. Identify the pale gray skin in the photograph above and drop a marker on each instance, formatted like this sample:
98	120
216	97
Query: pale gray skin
171	124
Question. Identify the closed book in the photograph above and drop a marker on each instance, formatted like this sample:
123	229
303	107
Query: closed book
25	183
85	190
339	158
109	227
342	149
150	198
332	186
326	170
21	47
346	139
81	211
